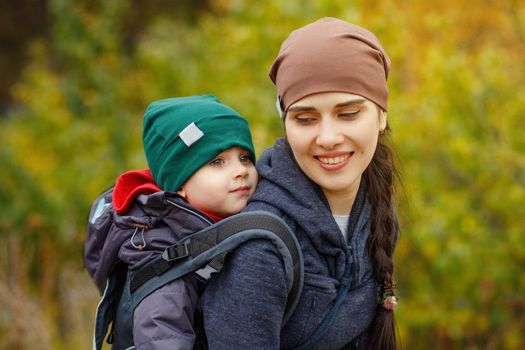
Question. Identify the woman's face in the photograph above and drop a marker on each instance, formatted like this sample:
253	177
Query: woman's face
333	137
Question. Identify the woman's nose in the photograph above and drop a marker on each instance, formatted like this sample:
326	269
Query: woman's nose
328	135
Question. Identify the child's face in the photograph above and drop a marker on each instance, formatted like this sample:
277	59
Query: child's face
224	185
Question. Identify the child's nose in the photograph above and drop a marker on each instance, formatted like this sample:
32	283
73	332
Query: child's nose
240	171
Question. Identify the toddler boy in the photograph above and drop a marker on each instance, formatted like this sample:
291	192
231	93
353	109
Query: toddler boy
201	169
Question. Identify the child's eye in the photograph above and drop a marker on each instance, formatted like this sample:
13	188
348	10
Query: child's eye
216	162
245	159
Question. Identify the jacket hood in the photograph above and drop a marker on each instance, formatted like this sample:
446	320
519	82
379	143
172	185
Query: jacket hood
113	235
304	203
131	184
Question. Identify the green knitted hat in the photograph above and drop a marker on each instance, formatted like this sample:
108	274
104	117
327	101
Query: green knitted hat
181	135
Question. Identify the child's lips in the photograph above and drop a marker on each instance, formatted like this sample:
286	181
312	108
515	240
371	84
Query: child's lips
242	190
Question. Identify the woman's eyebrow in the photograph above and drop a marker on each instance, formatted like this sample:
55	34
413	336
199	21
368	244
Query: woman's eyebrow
301	109
350	103
339	105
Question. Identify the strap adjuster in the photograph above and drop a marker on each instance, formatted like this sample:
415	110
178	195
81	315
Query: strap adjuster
177	251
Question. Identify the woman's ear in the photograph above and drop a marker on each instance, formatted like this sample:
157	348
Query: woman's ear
382	120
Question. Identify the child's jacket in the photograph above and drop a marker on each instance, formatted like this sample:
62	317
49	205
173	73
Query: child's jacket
165	318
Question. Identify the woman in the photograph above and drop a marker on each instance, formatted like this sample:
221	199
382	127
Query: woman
331	179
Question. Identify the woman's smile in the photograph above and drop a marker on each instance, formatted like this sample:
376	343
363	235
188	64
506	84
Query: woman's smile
333	137
334	161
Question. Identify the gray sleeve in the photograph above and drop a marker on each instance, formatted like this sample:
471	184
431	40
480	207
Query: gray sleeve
164	319
243	305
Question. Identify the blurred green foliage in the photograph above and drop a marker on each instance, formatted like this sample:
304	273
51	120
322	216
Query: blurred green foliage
456	108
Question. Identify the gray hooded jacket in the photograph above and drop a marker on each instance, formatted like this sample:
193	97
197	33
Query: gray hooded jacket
243	305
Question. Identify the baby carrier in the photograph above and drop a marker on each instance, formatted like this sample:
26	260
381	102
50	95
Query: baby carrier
202	252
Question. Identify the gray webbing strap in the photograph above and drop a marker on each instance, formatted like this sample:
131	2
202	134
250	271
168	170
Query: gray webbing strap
196	251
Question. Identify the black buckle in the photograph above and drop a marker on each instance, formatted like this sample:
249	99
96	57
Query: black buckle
177	251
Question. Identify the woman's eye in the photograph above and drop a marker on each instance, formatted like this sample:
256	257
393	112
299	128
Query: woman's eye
349	114
216	162
305	118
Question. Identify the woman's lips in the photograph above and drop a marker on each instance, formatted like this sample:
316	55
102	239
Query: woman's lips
334	161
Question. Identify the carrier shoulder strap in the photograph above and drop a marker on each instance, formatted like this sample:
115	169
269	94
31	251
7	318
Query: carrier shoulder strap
205	250
344	287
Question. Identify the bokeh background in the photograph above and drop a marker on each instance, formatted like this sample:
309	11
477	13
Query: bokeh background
76	77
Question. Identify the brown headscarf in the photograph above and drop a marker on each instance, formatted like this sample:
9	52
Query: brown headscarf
331	55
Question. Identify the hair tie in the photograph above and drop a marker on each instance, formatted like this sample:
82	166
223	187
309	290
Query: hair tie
388	299
389	302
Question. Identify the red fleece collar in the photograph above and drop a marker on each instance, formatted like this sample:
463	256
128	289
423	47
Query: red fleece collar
129	186
211	215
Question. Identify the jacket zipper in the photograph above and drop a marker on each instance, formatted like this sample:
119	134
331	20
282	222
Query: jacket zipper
355	266
191	212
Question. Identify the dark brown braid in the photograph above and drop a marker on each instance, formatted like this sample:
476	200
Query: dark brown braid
380	178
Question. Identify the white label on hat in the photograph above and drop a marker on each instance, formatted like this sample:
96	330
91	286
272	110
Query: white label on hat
191	134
